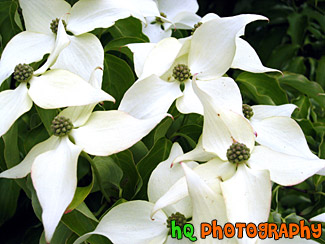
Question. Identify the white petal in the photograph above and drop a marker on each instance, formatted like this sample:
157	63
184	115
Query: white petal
140	54
189	102
207	204
284	169
197	154
172	8
61	88
26	47
210	173
78	115
131	221
163	177
214	44
221	127
186	20
248	197
282	134
84	54
266	111
321	172
13	103
24	167
247	59
54	175
319	218
87	15
149	97
61	42
161	58
154	32
38	14
109	132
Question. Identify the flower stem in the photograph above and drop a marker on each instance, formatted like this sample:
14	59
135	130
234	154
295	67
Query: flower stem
97	175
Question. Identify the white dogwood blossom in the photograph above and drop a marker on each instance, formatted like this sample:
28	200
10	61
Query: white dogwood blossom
174	14
53	163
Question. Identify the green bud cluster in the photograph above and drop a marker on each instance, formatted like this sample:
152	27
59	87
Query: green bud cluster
180	220
195	27
181	72
61	126
247	111
55	23
238	152
159	20
23	72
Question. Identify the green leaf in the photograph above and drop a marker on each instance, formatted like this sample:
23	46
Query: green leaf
281	56
262	88
297	65
162	128
191	133
118	77
139	150
303	85
62	233
158	153
303	104
297	27
9	193
120	42
79	196
47	115
129	27
320	72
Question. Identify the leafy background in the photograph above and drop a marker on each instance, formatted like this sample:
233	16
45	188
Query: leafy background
293	41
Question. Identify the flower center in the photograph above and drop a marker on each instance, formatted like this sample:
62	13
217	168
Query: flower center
61	126
23	72
197	25
181	72
55	23
238	152
159	20
180	220
247	111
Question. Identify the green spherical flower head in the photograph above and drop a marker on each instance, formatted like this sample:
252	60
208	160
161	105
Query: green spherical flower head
195	27
61	126
23	72
181	72
180	220
247	111
238	153
55	23
159	20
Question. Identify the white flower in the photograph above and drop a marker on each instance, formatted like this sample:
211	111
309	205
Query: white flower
133	220
53	89
208	55
53	163
178	14
85	52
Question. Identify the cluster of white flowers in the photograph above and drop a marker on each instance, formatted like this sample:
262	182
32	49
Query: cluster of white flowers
244	149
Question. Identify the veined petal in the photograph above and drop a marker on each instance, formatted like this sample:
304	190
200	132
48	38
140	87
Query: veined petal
247	59
164	176
13	103
61	42
82	56
210	173
319	218
207	204
172	8
109	132
284	169
154	32
131	221
149	97
221	127
197	154
189	102
61	88
282	134
38	14
266	111
25	47
248	197
140	54
161	57
24	167
54	175
213	45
